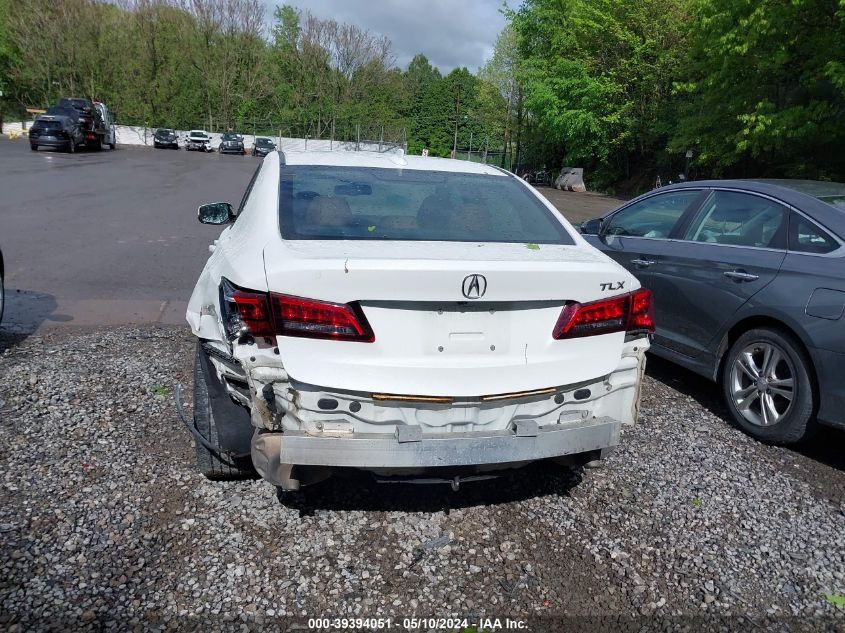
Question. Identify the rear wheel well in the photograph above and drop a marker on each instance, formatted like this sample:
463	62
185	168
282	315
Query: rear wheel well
750	323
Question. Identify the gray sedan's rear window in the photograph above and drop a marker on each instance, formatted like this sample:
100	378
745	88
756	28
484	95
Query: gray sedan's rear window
354	203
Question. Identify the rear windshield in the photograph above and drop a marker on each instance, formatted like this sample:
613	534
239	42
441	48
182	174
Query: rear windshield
63	111
263	141
164	132
838	202
230	137
79	104
355	203
48	125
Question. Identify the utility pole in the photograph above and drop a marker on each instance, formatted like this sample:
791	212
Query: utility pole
469	155
457	117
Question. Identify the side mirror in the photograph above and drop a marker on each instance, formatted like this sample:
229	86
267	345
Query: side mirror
592	227
216	213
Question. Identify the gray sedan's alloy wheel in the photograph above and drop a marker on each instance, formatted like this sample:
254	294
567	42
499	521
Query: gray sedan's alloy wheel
767	386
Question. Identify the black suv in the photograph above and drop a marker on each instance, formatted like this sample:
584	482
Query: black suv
60	131
232	143
263	146
87	114
165	137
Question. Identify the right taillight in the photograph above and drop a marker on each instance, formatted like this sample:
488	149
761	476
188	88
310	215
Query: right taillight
641	318
268	314
630	312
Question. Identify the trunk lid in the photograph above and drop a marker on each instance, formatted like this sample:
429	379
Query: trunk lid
430	339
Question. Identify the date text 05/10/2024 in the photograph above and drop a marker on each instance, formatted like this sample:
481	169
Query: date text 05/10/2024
412	624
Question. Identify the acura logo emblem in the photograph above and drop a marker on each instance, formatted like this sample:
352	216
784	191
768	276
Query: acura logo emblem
474	286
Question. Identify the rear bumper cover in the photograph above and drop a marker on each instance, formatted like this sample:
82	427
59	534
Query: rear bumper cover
48	142
272	452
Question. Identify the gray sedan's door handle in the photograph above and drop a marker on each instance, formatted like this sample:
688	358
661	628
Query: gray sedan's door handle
642	262
740	275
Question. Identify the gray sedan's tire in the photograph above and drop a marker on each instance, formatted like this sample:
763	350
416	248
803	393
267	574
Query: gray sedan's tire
211	463
767	386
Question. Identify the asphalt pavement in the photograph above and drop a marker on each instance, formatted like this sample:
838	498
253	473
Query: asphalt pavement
111	237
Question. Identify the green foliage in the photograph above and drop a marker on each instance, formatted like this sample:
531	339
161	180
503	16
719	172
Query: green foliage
763	92
752	87
835	599
597	74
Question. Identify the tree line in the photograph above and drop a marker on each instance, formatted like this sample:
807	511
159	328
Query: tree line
221	64
748	88
627	89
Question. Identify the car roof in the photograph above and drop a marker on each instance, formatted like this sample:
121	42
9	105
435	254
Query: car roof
800	194
388	160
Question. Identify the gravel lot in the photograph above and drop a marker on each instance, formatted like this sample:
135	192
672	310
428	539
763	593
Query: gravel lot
106	526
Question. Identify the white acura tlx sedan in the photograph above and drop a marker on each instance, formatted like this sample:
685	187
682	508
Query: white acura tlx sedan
410	316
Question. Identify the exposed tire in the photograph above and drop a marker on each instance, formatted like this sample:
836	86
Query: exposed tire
212	464
767	386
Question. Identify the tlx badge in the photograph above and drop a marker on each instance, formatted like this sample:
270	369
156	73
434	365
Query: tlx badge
613	285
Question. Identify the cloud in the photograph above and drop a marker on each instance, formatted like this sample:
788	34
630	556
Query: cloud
451	33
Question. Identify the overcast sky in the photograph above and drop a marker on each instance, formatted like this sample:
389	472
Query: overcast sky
450	33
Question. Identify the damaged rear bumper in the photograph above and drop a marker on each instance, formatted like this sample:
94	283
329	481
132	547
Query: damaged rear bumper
274	452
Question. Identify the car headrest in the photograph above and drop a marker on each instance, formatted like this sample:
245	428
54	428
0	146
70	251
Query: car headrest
329	211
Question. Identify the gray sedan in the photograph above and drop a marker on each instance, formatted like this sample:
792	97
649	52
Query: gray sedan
748	279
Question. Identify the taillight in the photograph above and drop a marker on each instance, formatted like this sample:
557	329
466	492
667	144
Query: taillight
263	314
630	312
244	311
295	316
642	312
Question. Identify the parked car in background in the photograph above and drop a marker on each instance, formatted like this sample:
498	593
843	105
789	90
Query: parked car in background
382	311
231	143
749	283
58	131
198	141
165	137
263	146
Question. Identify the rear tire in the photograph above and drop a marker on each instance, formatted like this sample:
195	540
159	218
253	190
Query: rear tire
33	147
767	386
71	147
212	464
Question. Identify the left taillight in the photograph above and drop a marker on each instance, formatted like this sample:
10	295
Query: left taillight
268	314
632	312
